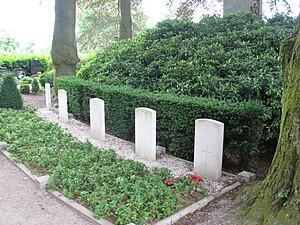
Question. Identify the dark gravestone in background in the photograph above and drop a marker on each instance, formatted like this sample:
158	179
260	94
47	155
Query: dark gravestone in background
35	66
234	6
2	70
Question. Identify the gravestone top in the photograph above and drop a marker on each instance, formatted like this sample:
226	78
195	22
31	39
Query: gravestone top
35	66
145	133
208	153
63	105
19	72
97	119
3	70
234	6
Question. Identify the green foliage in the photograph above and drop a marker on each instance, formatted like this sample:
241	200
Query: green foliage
22	60
175	116
234	58
111	186
24	88
10	96
98	23
46	77
25	85
26	80
35	86
284	193
8	44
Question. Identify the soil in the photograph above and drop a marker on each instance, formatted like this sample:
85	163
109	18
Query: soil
219	211
35	100
22	203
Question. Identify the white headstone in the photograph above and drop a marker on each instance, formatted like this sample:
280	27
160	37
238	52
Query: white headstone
63	106
97	118
208	153
145	133
48	96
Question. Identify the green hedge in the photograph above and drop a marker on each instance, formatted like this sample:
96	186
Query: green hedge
175	116
10	96
231	58
22	60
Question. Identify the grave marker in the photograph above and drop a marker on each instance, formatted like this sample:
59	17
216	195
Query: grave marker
208	153
97	118
48	96
63	106
234	6
145	133
35	66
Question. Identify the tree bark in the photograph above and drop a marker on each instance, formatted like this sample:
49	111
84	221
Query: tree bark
64	47
278	199
125	20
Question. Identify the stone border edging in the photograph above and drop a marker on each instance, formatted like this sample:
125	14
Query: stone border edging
87	214
22	167
195	206
40	183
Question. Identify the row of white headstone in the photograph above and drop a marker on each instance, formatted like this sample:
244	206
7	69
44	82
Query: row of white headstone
209	134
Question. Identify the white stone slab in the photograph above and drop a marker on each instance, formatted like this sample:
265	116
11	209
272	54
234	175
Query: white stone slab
48	96
63	106
247	176
97	119
160	150
208	152
3	145
145	133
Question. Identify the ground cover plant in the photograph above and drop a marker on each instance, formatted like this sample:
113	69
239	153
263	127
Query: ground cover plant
111	186
233	58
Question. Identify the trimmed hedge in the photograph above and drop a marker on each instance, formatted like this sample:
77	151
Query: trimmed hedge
175	116
231	58
47	77
22	60
35	88
10	96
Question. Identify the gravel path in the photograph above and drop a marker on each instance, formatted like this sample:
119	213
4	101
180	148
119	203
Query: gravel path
22	204
125	149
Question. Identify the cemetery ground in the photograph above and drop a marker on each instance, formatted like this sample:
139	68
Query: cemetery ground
217	212
22	203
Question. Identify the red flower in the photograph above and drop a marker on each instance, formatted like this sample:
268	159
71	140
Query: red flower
193	178
196	178
166	182
170	181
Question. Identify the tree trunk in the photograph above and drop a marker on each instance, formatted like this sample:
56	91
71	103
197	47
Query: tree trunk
64	47
278	199
125	20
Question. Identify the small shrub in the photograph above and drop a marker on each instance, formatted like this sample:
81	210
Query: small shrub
35	86
24	88
46	77
10	96
26	80
25	85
